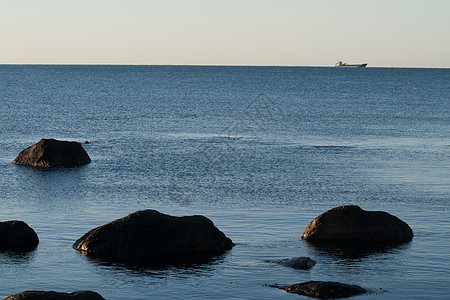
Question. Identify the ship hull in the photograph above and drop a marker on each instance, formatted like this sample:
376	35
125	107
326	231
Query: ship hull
351	66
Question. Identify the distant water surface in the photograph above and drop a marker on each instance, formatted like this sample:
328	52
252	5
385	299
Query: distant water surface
261	151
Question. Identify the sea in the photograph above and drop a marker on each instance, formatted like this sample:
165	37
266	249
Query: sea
261	151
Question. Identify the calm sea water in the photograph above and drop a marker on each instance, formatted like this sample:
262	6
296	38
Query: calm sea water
261	151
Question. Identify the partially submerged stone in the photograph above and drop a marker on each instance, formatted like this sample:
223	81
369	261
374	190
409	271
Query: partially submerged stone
325	289
150	238
48	153
351	223
50	295
17	236
301	263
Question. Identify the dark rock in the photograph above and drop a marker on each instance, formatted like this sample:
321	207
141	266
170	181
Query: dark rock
150	238
351	223
44	295
302	263
49	153
325	289
17	236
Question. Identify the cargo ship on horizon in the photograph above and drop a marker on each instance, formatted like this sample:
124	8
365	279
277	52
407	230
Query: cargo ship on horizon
340	64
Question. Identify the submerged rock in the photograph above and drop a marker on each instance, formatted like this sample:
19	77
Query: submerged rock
150	238
17	236
325	289
351	223
301	263
49	153
50	295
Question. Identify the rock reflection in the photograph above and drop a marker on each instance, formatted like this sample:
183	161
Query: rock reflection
354	250
16	258
197	268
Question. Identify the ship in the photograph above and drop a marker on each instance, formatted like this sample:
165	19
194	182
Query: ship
340	64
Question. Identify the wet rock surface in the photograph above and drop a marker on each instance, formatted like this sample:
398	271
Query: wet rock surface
17	236
300	263
325	289
351	223
50	295
48	153
150	238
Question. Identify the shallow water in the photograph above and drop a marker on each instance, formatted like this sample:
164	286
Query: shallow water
261	151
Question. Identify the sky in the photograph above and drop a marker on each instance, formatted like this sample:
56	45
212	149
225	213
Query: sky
397	33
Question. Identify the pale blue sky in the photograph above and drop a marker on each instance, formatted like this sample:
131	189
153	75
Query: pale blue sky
231	32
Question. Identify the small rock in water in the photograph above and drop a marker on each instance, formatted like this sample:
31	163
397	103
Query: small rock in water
50	295
17	236
351	223
48	153
325	289
302	263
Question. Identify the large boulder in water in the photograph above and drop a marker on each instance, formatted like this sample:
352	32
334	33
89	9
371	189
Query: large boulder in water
325	289
50	295
49	153
17	236
150	238
351	223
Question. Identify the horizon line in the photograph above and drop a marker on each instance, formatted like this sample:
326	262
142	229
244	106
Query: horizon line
207	65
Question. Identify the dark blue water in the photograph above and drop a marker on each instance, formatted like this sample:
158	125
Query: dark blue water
259	150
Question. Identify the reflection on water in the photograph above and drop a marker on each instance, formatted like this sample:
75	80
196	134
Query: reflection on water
16	258
197	268
354	250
